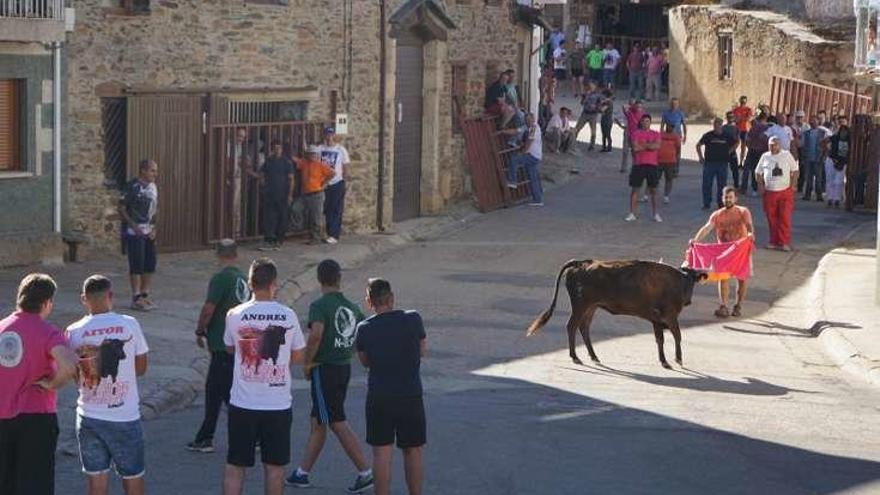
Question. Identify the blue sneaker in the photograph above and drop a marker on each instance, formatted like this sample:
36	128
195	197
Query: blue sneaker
361	483
298	480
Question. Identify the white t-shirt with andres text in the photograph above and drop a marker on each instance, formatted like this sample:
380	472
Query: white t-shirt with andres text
612	57
776	170
263	334
336	157
106	345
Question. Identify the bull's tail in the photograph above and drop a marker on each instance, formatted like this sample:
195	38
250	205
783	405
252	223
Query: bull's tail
545	316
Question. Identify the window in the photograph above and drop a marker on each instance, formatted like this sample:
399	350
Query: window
10	122
114	123
725	56
256	112
136	7
493	2
459	94
269	2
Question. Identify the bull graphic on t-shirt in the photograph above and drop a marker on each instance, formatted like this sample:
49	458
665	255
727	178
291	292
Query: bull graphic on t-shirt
101	361
257	346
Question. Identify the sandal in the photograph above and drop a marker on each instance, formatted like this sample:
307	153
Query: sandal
737	311
722	312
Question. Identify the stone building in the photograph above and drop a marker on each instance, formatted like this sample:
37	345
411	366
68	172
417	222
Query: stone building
718	53
165	78
30	31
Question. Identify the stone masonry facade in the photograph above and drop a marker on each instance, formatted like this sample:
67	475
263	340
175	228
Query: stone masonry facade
191	44
764	44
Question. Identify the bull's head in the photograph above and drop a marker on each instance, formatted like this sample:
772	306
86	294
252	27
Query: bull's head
691	277
116	346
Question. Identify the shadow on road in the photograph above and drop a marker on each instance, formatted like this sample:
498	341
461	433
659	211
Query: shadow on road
695	380
776	328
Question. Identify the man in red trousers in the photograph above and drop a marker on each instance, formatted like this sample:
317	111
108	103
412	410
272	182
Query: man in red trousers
777	170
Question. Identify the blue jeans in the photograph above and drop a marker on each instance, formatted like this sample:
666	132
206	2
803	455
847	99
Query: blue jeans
812	173
102	443
608	76
718	172
636	84
334	204
531	164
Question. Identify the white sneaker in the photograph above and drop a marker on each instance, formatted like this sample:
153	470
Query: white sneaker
643	199
630	218
332	240
658	218
665	200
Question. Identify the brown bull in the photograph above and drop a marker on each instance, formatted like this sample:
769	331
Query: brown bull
652	291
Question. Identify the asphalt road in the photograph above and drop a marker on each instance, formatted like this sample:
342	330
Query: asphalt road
758	408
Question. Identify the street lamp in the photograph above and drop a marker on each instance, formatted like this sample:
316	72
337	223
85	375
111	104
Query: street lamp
867	70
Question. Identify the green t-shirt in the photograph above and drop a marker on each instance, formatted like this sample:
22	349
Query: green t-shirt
595	58
340	318
228	288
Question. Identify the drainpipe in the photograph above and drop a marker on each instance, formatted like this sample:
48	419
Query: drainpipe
380	194
56	134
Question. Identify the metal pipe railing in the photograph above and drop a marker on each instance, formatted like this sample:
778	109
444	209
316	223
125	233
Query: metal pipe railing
32	9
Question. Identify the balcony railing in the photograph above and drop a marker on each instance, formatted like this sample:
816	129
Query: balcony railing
32	9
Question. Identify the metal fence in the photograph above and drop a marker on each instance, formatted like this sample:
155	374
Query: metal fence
32	9
788	95
236	152
862	167
488	159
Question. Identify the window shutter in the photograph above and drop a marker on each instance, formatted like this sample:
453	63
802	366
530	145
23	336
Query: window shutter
9	121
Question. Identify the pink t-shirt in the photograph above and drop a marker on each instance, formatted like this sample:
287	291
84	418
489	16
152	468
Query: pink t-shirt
645	157
655	64
26	342
633	117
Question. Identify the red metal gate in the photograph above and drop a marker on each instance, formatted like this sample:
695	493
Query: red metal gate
788	95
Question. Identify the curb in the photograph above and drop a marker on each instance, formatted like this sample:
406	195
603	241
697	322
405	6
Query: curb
842	352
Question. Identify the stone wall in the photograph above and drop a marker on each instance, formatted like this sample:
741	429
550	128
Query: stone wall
816	10
191	44
764	44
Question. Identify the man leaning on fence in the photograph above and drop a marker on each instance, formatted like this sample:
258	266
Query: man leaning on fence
530	158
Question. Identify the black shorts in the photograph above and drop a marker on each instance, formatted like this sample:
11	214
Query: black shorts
402	419
246	427
643	173
668	170
141	255
577	72
27	454
742	136
329	385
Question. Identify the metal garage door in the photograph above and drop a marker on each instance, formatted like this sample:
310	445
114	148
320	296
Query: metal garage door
408	128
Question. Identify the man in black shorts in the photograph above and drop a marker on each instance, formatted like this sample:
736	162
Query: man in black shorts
645	147
138	207
392	344
266	339
333	321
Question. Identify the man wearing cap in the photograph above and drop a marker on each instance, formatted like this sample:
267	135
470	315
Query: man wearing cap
314	175
336	156
228	288
775	174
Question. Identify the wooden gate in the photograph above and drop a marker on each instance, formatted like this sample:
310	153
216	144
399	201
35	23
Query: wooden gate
168	130
788	95
487	160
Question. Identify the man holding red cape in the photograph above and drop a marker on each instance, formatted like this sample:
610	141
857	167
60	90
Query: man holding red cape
731	256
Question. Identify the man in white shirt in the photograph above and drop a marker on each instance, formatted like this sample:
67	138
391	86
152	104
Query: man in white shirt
609	66
336	156
781	131
112	353
559	133
530	158
777	170
266	339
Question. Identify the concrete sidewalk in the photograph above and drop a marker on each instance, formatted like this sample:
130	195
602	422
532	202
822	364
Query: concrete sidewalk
842	307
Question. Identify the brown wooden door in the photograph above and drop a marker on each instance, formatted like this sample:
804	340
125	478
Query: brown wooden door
408	129
168	129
